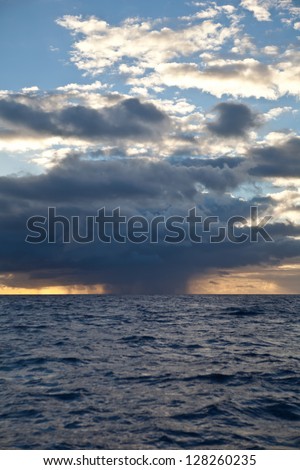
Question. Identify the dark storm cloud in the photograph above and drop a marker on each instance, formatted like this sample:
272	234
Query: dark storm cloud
284	230
22	115
78	187
156	268
136	179
129	118
234	120
277	161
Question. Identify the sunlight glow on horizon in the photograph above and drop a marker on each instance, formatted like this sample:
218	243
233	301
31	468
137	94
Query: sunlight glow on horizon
255	281
53	290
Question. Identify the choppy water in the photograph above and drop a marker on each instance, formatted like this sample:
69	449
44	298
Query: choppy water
150	372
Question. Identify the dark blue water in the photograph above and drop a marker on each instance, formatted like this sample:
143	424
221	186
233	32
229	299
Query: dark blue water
150	372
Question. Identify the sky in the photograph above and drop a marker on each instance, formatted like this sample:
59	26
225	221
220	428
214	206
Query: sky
156	108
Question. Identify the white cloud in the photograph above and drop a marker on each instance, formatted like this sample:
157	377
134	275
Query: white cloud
238	78
288	72
78	25
151	55
287	203
274	113
131	70
103	46
21	145
76	87
246	77
259	8
278	138
31	89
178	106
243	45
271	50
211	9
209	13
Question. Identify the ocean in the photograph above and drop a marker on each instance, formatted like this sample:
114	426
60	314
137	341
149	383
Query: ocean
150	372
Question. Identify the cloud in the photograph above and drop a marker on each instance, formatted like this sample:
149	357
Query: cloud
149	188
288	72
31	89
209	9
274	113
79	88
130	118
152	56
158	183
52	125
238	78
271	50
234	120
259	8
100	45
282	160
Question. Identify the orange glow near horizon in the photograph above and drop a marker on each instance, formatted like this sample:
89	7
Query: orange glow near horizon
233	285
282	279
52	290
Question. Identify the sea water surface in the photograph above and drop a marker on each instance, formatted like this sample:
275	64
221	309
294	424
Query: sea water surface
149	372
